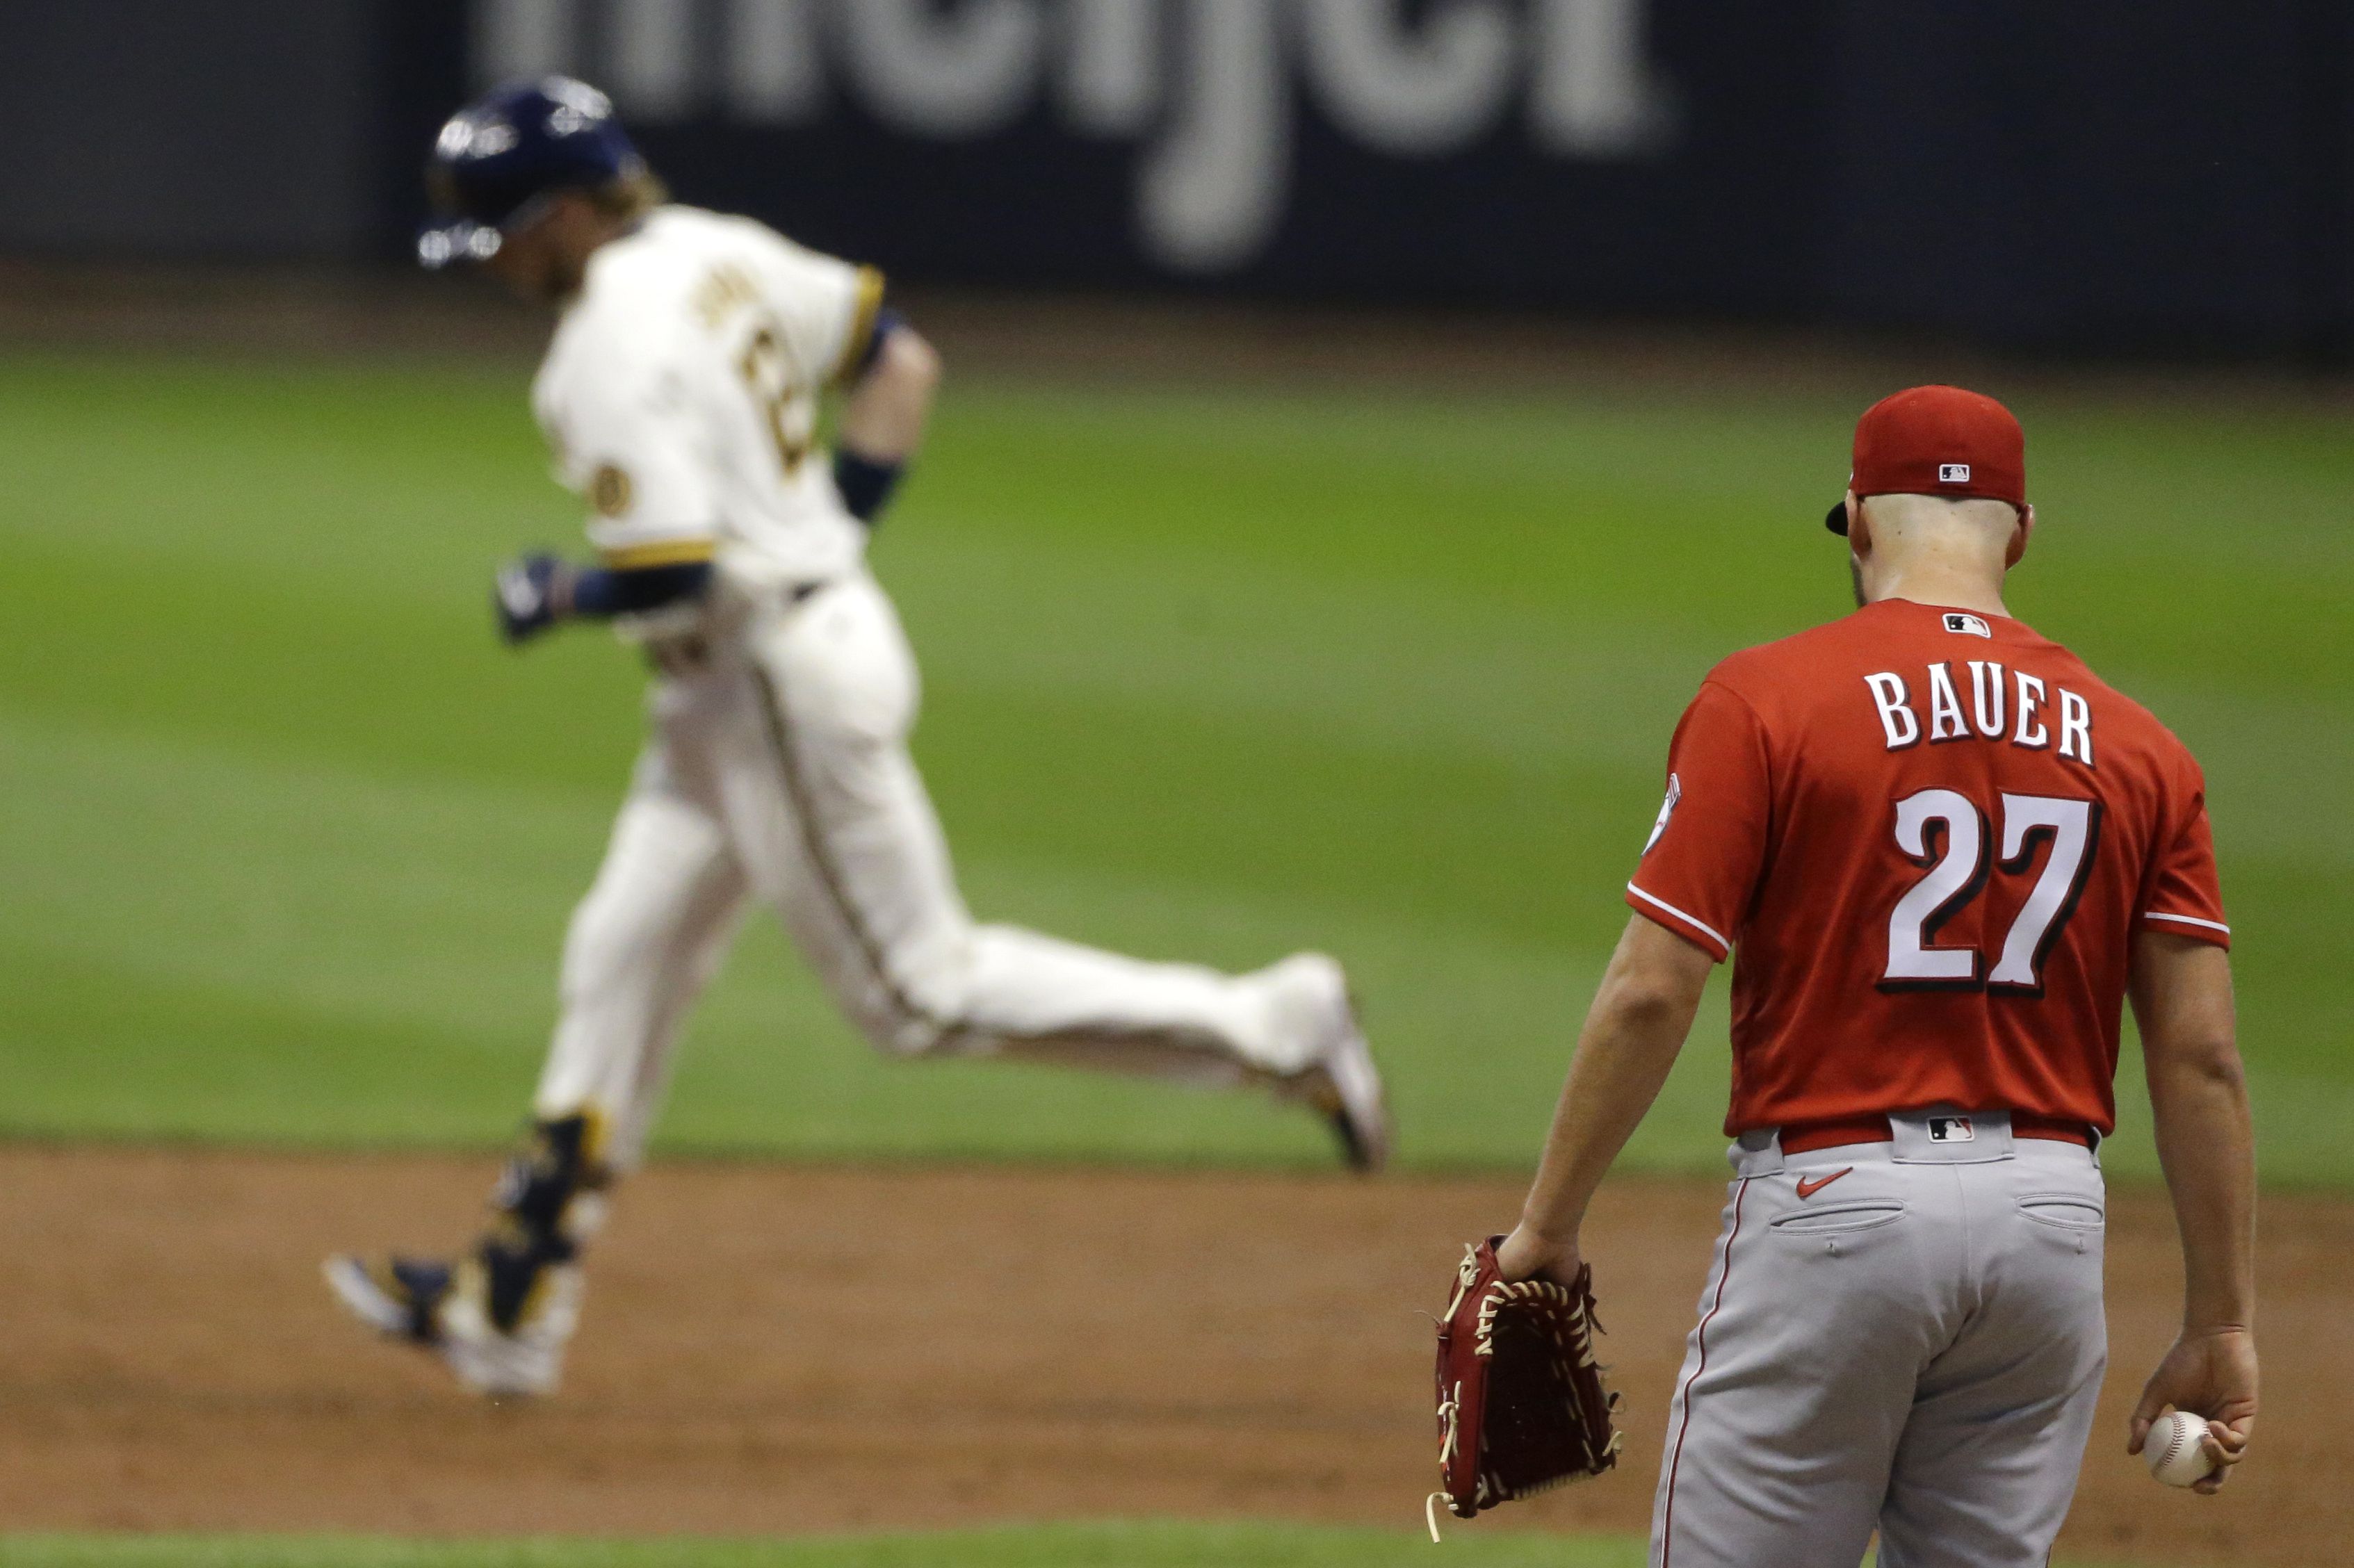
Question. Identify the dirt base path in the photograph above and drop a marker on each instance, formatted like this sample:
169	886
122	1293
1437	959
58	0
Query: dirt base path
779	1349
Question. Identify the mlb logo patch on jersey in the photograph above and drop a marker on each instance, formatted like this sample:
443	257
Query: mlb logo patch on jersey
1968	625
1953	473
1952	1130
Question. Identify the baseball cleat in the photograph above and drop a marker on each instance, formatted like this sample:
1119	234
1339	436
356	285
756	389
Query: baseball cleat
402	1301
1340	1082
447	1310
502	1316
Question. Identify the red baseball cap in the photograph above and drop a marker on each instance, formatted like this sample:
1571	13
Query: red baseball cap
1936	440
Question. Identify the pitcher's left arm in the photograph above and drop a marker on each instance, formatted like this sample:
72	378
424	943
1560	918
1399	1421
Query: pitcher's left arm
1641	1015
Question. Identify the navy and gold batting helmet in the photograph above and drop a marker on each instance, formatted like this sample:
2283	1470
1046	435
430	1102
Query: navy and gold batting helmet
505	154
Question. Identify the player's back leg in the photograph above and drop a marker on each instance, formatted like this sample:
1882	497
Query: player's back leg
837	830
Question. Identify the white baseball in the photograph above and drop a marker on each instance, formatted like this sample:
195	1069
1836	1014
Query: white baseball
2174	1450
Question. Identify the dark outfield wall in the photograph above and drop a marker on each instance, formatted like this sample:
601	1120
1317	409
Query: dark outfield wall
2168	174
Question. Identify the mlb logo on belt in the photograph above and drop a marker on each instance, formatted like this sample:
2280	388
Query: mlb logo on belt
1952	1130
1968	625
1953	473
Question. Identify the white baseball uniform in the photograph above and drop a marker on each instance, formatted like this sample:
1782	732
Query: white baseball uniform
679	398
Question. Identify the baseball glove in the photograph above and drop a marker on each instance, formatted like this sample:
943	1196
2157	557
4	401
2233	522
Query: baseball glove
1521	1404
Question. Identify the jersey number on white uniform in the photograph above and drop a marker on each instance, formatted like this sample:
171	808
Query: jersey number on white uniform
1958	871
768	373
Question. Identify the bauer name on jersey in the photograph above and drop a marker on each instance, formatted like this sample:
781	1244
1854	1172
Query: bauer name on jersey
1928	837
679	397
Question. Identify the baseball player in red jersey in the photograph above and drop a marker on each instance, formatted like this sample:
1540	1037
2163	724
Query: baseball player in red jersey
1941	853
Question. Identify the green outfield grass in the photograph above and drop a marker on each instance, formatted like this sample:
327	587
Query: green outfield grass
1148	1545
289	841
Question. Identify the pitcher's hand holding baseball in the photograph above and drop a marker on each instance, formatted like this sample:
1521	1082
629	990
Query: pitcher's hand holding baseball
2210	1373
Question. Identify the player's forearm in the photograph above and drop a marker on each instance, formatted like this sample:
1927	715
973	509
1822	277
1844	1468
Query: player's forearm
2199	1105
599	593
2206	1144
883	418
882	422
539	591
1633	1033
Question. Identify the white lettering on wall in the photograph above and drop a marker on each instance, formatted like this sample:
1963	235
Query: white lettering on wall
960	72
652	46
1416	92
774	75
1206	85
525	37
1211	188
1110	82
1595	95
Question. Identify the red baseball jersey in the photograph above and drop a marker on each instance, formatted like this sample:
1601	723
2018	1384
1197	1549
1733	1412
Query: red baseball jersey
1927	836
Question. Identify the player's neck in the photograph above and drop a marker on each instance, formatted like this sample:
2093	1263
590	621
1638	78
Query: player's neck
1945	590
1930	553
1950	572
577	249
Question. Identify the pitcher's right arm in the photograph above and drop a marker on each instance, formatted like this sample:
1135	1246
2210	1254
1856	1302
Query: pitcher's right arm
2182	991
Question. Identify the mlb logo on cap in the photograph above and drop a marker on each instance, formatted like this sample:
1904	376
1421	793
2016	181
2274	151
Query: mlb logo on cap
1908	444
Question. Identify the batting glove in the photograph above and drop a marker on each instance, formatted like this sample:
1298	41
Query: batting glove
531	594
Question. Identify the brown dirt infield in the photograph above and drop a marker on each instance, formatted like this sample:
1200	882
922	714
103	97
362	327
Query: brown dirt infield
783	1349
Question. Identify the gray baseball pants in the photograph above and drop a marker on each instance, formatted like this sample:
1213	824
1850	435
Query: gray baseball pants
1916	1345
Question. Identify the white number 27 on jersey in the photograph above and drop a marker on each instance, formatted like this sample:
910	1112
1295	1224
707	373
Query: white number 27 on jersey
1958	871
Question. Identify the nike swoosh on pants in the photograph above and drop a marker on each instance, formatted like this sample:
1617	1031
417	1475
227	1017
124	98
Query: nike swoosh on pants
1809	1186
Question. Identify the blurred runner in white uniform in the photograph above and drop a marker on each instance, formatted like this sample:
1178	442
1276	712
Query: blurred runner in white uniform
679	398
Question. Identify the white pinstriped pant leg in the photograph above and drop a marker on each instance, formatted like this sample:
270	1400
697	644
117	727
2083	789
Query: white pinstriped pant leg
836	830
782	773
